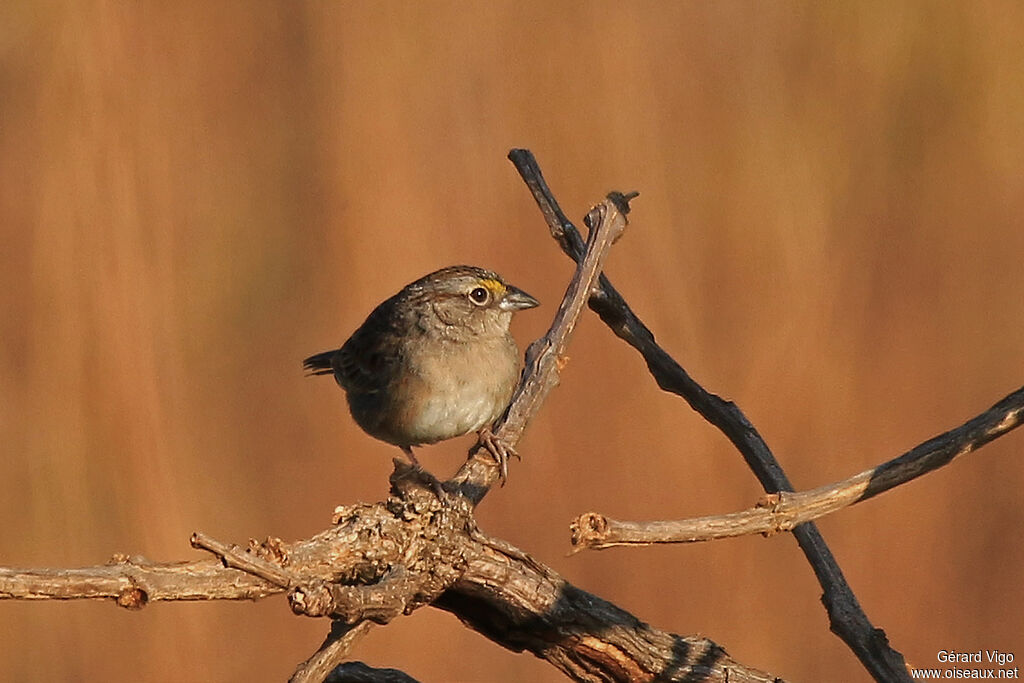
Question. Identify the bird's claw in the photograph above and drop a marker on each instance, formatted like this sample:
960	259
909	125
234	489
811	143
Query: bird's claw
417	469
499	450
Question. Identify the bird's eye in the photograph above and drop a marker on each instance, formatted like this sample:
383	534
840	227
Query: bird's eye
479	296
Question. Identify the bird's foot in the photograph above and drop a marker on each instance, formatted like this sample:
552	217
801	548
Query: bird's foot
424	475
500	450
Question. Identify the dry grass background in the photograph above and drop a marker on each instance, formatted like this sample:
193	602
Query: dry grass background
194	197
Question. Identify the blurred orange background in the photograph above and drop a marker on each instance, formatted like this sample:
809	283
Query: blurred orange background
195	197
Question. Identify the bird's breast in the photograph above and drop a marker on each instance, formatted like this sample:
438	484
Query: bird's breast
451	389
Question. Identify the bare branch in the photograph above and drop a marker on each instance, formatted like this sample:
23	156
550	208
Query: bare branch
784	511
134	582
846	617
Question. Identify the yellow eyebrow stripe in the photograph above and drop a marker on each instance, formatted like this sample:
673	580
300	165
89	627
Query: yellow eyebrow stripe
495	286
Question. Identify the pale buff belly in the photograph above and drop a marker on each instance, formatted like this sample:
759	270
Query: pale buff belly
434	401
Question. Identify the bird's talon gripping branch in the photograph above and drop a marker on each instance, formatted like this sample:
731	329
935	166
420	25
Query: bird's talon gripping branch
500	450
415	472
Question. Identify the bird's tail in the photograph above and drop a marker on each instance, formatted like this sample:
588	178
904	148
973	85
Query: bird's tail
320	364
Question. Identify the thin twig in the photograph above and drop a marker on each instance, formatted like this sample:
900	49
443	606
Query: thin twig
783	511
235	557
846	617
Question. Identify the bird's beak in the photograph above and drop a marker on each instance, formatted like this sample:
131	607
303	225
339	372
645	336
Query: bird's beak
516	300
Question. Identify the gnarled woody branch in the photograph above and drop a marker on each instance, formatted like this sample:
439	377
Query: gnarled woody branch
785	510
415	548
499	590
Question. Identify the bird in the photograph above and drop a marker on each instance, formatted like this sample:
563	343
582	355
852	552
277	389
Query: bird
433	362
